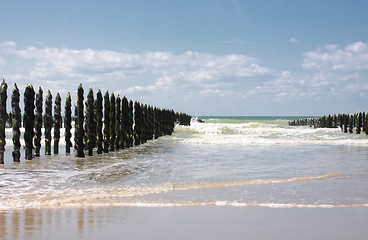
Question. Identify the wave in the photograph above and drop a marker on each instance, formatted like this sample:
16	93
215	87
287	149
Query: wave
265	133
119	196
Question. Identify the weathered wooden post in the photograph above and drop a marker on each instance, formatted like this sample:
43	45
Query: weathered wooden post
112	122
151	122
48	123
364	122
75	124
145	123
90	122
57	122
68	123
99	122
106	130
172	122
130	125
124	123
346	122
351	122
118	123
16	123
154	122
29	118
157	123
38	124
80	122
3	119
359	123
339	120
137	122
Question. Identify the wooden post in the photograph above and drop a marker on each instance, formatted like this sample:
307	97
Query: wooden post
358	123
112	122
68	123
351	122
29	118
99	122
16	123
38	124
3	119
75	124
48	123
130	124
124	123
118	123
106	130
137	122
80	122
57	122
90	122
346	122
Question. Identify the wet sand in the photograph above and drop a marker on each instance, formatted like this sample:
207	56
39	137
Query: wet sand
196	222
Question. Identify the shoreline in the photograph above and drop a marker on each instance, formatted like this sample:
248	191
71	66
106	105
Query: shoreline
185	222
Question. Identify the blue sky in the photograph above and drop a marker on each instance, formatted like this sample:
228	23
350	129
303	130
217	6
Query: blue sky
203	57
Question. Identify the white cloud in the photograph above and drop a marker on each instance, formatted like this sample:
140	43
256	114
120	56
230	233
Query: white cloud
293	40
148	74
190	77
9	44
353	57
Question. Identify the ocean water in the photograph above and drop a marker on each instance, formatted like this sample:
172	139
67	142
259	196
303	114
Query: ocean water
226	161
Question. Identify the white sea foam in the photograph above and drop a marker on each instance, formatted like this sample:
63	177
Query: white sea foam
197	166
263	133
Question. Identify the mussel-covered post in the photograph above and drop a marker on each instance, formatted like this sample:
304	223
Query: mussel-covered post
359	123
48	123
118	123
130	123
99	116
106	130
124	123
351	123
75	124
150	123
16	123
38	124
137	121
29	118
112	122
57	122
157	122
68	123
80	122
145	123
90	122
3	118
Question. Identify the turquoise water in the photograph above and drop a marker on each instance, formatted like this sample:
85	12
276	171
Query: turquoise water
236	161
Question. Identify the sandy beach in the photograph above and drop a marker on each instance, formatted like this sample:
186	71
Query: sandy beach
197	222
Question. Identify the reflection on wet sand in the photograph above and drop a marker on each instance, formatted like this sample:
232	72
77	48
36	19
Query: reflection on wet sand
195	222
44	223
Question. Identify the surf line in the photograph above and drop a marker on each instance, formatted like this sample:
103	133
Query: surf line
192	186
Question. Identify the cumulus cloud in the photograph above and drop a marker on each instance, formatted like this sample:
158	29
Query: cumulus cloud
166	78
332	57
8	44
137	74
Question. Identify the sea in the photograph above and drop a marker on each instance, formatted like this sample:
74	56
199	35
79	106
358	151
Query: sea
223	161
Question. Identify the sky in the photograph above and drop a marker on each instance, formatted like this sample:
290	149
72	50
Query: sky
201	57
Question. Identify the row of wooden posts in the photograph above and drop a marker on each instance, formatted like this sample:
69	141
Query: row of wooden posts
106	123
347	122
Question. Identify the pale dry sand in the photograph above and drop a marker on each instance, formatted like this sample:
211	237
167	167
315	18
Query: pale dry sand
197	222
